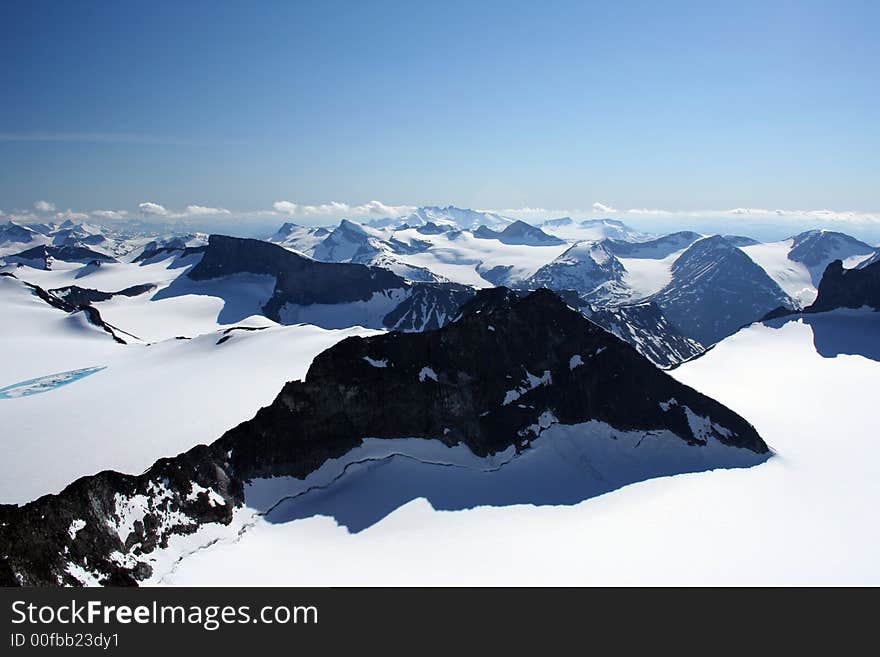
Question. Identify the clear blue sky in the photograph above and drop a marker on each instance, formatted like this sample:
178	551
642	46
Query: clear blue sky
680	105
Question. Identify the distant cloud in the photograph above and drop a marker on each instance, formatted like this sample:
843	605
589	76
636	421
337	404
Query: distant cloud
601	207
71	215
285	207
110	214
45	206
157	210
649	212
148	207
763	213
202	211
337	209
21	217
381	209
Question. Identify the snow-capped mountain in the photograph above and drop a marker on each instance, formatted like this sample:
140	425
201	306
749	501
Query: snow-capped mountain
592	230
300	238
656	249
797	264
589	268
327	294
585	412
462	218
519	232
14	235
716	289
114	243
44	256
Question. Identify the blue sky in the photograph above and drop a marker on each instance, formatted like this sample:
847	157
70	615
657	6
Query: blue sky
689	108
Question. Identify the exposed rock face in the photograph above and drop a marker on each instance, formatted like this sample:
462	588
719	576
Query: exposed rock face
657	248
45	255
11	232
645	327
716	289
817	248
429	307
519	232
508	368
848	288
299	280
589	268
155	251
82	296
74	305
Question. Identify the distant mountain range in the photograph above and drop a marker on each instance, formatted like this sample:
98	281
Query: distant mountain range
700	288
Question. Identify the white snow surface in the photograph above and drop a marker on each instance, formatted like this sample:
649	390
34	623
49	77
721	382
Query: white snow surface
796	279
460	257
149	402
805	517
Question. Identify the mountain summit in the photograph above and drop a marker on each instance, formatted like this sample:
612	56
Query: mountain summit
503	379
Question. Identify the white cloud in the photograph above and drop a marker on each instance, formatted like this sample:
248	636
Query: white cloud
71	215
601	207
45	206
110	214
22	217
649	211
148	207
285	207
381	209
338	209
333	208
763	213
201	211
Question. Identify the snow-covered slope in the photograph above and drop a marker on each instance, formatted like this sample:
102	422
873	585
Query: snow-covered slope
146	403
797	264
519	232
463	218
592	230
806	517
589	268
716	289
462	257
303	239
577	417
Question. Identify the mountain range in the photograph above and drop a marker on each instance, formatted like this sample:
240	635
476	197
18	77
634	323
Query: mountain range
346	372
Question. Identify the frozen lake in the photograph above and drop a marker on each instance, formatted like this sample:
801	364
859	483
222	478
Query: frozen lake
46	383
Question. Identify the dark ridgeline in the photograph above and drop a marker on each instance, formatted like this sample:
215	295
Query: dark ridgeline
453	384
848	288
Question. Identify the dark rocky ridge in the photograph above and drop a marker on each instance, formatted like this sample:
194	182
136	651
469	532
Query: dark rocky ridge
299	280
302	281
848	288
715	290
46	254
74	305
82	296
519	232
475	363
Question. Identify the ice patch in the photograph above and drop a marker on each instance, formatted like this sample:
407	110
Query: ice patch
575	361
530	383
214	498
427	373
46	383
376	363
665	406
75	527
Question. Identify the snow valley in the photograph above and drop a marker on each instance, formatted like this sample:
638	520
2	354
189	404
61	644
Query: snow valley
445	380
